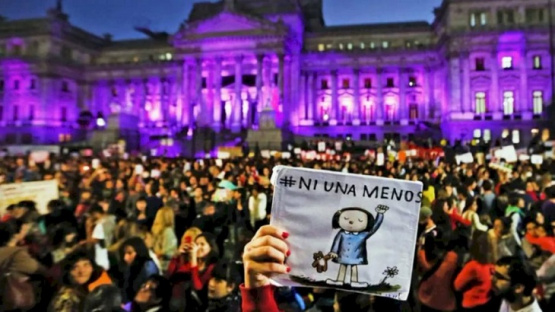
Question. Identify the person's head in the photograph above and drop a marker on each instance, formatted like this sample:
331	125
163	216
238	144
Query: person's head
148	238
165	218
531	227
513	279
541	231
198	192
498	227
97	212
140	204
207	247
23	207
223	281
517	201
134	251
190	235
487	186
55	206
425	215
353	219
209	209
471	204
104	298
79	268
154	292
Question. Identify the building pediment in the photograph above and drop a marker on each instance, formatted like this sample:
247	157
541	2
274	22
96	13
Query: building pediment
230	23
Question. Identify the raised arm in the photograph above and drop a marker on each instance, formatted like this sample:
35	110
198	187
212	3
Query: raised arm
381	210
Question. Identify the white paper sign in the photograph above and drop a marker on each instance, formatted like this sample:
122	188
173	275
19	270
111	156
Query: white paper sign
219	163
286	155
297	150
321	146
139	169
40	192
356	221
39	156
466	158
155	173
223	155
380	160
537	159
95	163
510	153
265	154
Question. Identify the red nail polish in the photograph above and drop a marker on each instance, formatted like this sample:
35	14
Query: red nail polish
288	269
285	235
288	253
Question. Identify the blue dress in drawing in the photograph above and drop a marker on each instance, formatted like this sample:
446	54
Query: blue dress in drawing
349	246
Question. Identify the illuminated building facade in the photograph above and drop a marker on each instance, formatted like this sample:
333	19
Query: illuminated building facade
480	68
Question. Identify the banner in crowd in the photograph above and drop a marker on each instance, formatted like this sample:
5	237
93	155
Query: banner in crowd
350	232
40	192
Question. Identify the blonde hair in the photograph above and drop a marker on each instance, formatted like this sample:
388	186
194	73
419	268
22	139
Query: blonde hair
164	219
191	232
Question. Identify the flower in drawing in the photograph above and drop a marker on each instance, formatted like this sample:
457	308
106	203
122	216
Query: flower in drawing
389	273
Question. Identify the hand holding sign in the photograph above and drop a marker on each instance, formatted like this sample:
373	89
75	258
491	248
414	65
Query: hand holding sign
265	256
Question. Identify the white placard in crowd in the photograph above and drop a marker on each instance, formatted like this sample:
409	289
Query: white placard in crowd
537	159
265	153
510	153
466	158
95	163
321	146
139	169
297	150
187	166
362	233
40	192
39	156
380	159
223	155
286	155
339	146
155	173
219	163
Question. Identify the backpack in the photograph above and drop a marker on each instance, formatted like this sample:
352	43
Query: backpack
16	292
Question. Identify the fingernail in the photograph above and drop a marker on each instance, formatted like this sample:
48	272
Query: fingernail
288	253
288	269
285	235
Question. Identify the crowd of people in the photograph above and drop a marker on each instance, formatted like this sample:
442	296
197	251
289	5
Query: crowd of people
159	234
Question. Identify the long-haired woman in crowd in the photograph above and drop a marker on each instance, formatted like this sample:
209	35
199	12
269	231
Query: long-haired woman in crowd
165	242
137	267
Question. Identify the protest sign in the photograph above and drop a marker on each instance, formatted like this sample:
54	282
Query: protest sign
362	230
321	146
464	158
39	156
40	192
537	159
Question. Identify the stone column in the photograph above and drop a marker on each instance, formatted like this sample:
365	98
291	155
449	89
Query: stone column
186	112
522	105
238	101
259	81
281	72
217	116
465	90
303	103
335	114
379	96
210	94
267	81
198	92
493	96
430	108
356	95
311	104
403	109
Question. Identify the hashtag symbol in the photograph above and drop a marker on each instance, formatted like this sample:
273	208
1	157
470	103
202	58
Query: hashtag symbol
287	181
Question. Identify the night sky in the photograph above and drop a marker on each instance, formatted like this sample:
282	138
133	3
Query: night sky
119	16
